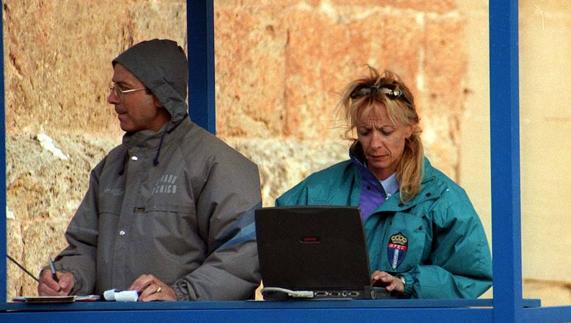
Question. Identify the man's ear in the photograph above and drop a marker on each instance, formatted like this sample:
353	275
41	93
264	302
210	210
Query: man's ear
157	103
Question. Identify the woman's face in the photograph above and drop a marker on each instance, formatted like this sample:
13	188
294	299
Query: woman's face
382	141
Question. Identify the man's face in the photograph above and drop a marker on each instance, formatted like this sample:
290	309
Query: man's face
136	110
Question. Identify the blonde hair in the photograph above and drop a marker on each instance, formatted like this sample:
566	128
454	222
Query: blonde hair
389	90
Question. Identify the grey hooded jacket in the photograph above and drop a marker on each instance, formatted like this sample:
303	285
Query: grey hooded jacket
178	204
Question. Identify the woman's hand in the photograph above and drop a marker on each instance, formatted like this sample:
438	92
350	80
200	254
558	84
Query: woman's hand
391	283
151	288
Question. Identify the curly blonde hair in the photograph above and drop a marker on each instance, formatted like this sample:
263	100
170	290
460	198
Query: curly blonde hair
390	91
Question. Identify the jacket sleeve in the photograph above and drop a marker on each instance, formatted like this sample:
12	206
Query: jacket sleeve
79	257
228	201
460	260
295	196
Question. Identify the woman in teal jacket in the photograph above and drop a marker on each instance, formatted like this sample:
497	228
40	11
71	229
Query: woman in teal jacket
424	237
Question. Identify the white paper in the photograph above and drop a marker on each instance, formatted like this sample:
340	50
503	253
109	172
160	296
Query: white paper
121	296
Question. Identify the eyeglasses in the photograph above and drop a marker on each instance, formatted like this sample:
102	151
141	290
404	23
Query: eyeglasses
391	91
118	92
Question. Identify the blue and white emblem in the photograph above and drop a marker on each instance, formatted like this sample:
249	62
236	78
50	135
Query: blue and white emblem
396	249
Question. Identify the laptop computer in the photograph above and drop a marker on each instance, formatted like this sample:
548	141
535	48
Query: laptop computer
314	252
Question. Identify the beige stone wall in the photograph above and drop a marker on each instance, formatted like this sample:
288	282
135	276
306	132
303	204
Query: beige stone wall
57	57
545	78
280	67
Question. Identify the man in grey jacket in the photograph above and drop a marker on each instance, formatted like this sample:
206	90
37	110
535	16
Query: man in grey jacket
170	211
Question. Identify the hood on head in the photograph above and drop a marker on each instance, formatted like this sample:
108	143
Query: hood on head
161	65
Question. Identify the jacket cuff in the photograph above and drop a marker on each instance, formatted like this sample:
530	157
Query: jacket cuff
183	291
77	283
77	288
408	284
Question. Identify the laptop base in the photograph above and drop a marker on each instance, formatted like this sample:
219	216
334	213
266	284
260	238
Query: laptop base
277	293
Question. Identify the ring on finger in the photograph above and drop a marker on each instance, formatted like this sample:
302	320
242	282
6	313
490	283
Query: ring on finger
159	289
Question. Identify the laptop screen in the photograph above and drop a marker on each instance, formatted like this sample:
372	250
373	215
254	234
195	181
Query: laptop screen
312	248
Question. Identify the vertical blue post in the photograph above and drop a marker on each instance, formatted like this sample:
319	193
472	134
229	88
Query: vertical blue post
505	163
3	224
200	33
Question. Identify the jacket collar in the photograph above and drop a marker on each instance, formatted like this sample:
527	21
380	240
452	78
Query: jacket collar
148	140
143	138
394	203
390	185
427	192
151	139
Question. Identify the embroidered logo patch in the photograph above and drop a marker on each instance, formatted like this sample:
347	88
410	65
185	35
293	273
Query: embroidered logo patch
166	185
396	249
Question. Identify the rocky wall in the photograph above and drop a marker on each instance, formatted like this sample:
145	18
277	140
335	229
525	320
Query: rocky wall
57	58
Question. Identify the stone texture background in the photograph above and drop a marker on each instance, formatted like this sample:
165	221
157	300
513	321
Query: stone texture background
280	67
545	78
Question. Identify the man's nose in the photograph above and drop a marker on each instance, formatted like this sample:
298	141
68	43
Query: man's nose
112	98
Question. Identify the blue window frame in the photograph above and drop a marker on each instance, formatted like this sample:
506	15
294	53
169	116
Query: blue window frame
507	305
200	31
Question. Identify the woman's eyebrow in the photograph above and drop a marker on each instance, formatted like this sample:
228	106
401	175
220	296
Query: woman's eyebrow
375	125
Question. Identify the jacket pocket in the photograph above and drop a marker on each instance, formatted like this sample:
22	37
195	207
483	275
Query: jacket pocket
169	228
166	238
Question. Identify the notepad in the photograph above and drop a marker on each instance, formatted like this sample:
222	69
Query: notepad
55	299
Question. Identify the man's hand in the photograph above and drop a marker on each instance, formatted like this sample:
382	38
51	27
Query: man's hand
49	287
151	288
391	283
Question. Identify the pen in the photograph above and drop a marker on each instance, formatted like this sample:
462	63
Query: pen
53	270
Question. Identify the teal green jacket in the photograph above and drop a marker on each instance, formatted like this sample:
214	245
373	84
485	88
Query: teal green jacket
435	241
